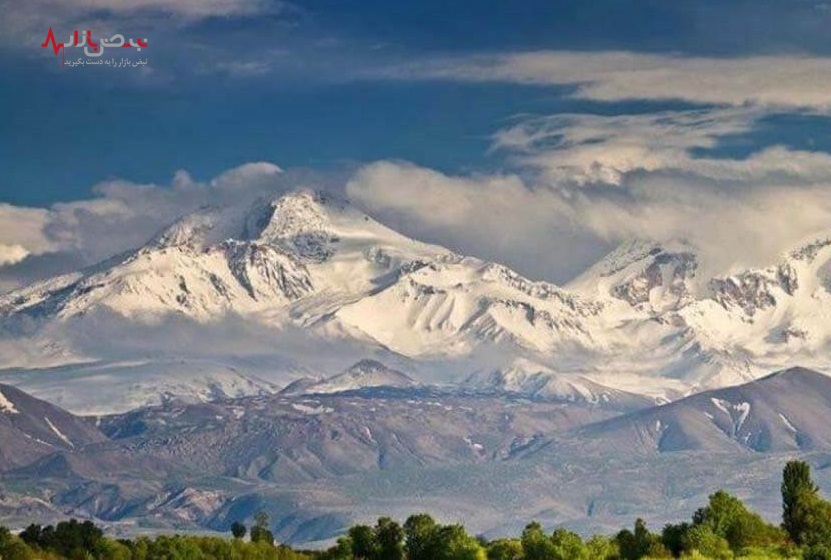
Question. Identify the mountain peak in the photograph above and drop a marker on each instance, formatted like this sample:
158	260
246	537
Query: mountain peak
292	213
643	273
363	374
368	365
196	230
300	222
798	373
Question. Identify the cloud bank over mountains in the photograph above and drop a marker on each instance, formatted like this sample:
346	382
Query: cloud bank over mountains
572	187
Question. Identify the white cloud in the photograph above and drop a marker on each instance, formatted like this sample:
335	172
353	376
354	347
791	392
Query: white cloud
588	182
780	80
586	149
24	227
247	176
495	217
188	8
11	254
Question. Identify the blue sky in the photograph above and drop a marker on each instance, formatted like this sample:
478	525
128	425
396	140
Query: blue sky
340	89
309	108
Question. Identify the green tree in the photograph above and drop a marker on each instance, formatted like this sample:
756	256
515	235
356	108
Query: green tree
797	488
341	551
108	549
728	518
451	542
811	515
602	548
535	543
419	531
427	540
673	537
238	530
12	547
363	542
637	544
817	552
504	549
568	546
260	532
389	539
31	535
701	538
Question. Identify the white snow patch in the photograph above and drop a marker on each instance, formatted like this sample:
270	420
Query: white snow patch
305	409
38	440
722	405
474	445
731	410
58	432
744	410
788	423
6	405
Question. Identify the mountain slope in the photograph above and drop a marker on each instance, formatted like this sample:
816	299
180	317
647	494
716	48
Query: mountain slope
316	463
783	412
31	428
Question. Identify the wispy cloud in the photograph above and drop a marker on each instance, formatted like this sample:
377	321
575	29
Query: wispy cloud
186	8
39	12
781	80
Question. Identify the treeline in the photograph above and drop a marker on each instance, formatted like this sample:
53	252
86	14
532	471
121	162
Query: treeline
722	530
73	540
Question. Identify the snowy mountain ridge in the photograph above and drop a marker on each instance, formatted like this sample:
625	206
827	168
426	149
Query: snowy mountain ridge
307	264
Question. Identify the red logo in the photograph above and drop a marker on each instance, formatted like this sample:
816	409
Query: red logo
91	48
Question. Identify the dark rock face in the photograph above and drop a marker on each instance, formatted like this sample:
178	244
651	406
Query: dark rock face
754	290
670	271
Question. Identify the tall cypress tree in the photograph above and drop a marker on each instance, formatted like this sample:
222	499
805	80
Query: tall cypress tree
797	489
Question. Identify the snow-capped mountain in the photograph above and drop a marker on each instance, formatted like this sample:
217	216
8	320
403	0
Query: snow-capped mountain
364	374
240	260
648	277
530	379
307	282
314	262
718	331
105	387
